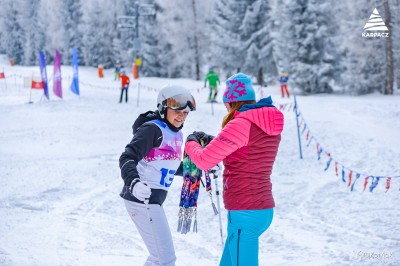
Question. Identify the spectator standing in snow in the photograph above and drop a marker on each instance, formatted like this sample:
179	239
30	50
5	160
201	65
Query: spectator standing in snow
212	78
124	86
148	165
117	69
247	145
283	79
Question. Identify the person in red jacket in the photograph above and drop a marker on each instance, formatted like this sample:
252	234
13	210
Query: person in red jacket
124	85
247	145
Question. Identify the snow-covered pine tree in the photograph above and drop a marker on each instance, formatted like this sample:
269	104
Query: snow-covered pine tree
71	12
256	40
395	10
32	32
363	58
12	34
56	36
150	52
305	42
97	40
112	45
225	35
126	52
182	35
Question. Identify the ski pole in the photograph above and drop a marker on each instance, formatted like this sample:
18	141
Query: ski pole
219	210
146	202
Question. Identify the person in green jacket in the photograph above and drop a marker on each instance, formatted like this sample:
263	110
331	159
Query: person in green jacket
212	78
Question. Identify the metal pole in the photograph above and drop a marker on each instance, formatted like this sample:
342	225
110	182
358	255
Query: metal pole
138	95
298	129
212	107
137	40
219	210
137	19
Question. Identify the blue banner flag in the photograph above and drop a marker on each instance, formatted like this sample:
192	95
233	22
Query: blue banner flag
43	73
75	81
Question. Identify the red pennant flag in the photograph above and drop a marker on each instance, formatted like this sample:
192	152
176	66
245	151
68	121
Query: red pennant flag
39	85
350	176
388	183
365	183
2	75
336	168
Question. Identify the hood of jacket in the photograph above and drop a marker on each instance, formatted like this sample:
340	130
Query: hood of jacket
263	114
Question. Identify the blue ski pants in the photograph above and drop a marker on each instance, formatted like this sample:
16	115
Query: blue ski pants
244	229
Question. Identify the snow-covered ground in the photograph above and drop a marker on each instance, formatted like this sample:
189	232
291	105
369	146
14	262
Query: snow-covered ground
60	180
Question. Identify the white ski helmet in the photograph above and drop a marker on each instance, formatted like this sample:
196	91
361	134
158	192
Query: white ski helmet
176	98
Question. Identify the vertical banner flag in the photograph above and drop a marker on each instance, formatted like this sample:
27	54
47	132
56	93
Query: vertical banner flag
43	73
57	88
75	80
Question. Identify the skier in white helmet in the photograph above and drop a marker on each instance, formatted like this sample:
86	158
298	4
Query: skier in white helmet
148	166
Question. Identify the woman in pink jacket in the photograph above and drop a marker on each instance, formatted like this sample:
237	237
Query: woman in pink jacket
247	145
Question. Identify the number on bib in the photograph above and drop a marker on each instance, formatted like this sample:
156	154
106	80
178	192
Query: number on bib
167	176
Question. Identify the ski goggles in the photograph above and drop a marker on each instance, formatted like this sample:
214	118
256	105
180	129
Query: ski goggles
180	102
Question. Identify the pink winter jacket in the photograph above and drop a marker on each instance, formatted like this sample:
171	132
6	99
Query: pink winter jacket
247	145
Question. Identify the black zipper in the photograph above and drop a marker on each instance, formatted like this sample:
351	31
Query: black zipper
238	246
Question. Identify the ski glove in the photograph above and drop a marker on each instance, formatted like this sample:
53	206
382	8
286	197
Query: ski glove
139	190
199	136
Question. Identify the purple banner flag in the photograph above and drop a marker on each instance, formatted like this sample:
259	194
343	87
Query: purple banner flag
43	73
57	87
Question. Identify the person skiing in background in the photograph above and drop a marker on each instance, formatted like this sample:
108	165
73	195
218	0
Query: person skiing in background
212	78
117	69
148	165
247	145
124	85
283	79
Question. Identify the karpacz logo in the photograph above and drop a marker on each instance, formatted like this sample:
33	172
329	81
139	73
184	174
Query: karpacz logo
375	23
375	34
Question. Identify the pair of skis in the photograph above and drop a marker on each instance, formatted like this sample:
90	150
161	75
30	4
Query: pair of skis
190	193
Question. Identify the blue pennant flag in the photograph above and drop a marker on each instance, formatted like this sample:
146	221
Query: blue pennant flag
43	73
343	174
374	183
319	153
357	177
328	164
75	80
304	129
308	144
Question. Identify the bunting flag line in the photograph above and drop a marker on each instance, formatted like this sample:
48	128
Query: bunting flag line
345	171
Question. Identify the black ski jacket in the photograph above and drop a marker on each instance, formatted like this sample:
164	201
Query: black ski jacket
143	141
